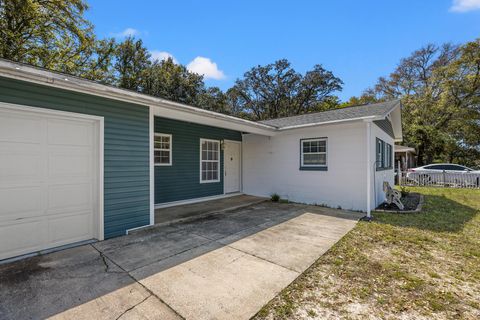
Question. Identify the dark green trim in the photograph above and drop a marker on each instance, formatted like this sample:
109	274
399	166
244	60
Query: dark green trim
383	155
126	147
383	169
386	126
313	168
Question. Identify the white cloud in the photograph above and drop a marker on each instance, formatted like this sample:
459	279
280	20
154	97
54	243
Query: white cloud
162	55
206	67
129	32
465	5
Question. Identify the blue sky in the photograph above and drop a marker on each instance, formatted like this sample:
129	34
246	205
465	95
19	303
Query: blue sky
357	40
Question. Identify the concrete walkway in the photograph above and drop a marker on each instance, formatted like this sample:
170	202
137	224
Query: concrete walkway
225	266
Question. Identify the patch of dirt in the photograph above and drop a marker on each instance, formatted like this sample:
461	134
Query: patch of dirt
410	202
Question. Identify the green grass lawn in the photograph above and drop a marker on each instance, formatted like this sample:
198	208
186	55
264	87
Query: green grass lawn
409	266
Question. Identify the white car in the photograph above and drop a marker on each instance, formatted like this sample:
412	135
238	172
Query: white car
440	167
445	174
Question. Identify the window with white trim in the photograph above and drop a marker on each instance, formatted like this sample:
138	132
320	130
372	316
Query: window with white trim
209	160
313	153
162	150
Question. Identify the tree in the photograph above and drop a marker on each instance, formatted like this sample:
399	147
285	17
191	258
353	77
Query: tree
51	34
440	88
173	81
98	60
214	99
277	90
367	97
131	63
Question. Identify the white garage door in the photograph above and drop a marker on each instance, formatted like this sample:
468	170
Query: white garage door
48	180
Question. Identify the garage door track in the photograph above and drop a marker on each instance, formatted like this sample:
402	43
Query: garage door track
225	266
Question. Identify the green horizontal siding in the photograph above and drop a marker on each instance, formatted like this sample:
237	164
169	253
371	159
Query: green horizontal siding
126	148
181	180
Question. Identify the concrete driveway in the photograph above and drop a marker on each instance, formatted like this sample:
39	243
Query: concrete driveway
225	266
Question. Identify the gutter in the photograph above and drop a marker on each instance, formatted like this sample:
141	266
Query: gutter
28	73
23	72
366	118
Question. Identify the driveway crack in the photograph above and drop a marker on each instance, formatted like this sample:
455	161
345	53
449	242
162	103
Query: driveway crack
151	293
253	255
132	307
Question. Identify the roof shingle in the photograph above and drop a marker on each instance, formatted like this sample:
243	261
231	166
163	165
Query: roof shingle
349	113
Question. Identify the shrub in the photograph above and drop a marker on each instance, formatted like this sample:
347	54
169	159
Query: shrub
404	192
275	197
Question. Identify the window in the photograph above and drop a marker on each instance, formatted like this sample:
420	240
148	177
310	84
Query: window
454	167
379	154
388	155
384	155
162	149
209	161
313	155
450	167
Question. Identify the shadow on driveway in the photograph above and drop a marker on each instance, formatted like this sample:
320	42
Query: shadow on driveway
222	266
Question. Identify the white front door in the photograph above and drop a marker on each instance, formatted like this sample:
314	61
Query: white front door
232	157
48	180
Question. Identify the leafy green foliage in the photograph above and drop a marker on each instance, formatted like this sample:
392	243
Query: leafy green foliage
277	90
275	197
439	85
440	91
53	34
173	81
131	63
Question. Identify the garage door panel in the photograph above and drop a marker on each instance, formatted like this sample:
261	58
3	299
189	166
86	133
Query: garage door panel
48	180
70	133
11	244
74	162
20	164
70	228
69	198
18	127
16	207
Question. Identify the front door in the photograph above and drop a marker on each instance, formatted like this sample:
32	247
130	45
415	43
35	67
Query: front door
232	157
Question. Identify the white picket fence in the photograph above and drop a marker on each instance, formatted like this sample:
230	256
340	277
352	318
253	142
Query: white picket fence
438	179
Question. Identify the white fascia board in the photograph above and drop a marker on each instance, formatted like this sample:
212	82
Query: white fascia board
162	107
396	118
301	126
220	122
35	75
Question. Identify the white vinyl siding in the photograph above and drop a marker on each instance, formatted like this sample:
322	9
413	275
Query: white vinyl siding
209	161
313	152
162	149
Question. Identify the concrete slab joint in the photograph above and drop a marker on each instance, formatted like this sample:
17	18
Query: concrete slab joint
223	266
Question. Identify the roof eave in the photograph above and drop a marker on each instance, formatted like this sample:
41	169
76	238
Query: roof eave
307	125
23	72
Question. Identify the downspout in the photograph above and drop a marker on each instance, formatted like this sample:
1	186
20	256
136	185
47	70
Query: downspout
368	217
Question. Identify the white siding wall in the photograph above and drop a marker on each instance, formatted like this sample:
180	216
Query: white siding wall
378	195
271	165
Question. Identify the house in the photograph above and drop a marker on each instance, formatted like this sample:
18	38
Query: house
81	160
405	157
